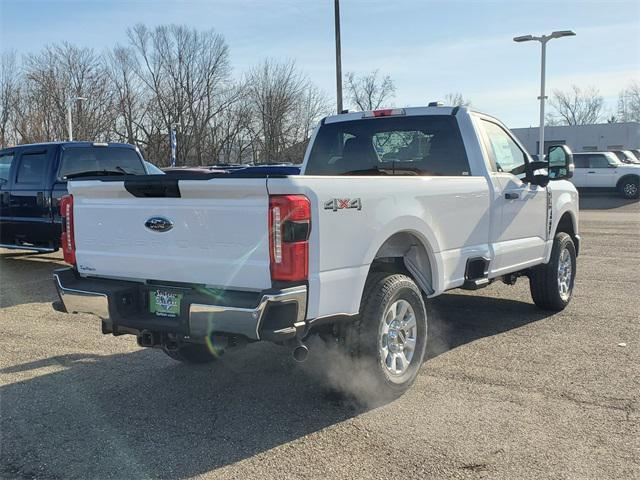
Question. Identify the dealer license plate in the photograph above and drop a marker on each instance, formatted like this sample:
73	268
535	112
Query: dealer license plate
164	304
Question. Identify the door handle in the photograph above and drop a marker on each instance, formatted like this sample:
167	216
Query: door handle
511	195
591	172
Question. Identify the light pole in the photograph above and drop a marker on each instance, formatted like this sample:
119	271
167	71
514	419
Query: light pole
336	12
543	41
70	103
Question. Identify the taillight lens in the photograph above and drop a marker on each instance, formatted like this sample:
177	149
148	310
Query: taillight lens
289	228
67	240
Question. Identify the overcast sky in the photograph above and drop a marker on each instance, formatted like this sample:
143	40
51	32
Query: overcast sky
430	48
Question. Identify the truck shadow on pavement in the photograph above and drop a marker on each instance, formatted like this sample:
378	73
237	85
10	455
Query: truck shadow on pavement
458	319
139	414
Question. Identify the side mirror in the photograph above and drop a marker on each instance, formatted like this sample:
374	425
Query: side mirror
560	162
542	180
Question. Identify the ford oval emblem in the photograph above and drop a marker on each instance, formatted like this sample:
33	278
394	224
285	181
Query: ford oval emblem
159	224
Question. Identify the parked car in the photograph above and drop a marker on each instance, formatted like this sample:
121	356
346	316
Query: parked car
626	156
603	170
352	247
34	177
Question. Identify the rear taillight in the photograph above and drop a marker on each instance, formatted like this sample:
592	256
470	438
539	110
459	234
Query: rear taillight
289	227
67	241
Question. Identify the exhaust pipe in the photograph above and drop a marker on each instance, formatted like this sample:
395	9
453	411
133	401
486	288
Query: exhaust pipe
146	339
300	353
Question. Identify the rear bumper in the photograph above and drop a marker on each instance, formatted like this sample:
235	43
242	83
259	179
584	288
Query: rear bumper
274	315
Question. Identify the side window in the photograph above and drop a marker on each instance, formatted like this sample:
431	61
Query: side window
32	168
581	161
507	155
6	159
598	161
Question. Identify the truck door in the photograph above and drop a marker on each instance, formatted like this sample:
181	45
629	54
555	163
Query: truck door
520	234
6	228
30	198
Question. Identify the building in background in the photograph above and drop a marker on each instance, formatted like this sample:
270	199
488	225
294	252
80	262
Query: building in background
584	138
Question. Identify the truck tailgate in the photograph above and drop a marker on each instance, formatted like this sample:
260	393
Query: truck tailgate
219	235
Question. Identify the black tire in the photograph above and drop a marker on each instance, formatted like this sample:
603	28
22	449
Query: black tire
195	353
362	338
629	188
544	281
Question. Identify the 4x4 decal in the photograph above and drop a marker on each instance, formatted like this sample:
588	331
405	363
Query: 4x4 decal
342	203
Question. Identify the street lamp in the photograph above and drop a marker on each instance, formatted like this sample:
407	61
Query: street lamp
543	41
70	102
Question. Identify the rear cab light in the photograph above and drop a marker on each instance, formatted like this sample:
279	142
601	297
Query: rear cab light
289	229
387	112
67	240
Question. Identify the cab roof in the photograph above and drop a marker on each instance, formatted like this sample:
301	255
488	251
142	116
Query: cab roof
391	112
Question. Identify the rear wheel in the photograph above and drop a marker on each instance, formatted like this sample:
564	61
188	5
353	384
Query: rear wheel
193	353
389	338
552	283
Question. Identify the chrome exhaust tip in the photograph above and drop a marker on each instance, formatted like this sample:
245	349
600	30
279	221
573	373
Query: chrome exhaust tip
300	353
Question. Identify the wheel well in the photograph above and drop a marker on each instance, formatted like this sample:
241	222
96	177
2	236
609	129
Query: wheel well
566	225
405	253
629	176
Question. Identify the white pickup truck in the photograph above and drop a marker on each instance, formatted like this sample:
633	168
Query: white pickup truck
391	208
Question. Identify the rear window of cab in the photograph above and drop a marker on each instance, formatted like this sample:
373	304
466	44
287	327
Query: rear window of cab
403	145
77	160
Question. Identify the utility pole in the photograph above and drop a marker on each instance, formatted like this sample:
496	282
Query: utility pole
338	56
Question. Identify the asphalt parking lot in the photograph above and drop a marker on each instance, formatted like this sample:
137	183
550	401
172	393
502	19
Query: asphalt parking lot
507	392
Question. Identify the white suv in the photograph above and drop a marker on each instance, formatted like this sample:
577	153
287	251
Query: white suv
604	170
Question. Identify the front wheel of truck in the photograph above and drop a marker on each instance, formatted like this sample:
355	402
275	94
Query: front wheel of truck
388	340
552	283
195	353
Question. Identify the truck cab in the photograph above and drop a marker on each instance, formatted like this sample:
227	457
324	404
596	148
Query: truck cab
34	177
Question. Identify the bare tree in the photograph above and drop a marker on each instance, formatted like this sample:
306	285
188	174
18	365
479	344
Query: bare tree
456	100
576	106
284	104
9	97
188	73
629	103
165	76
131	99
369	91
51	78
